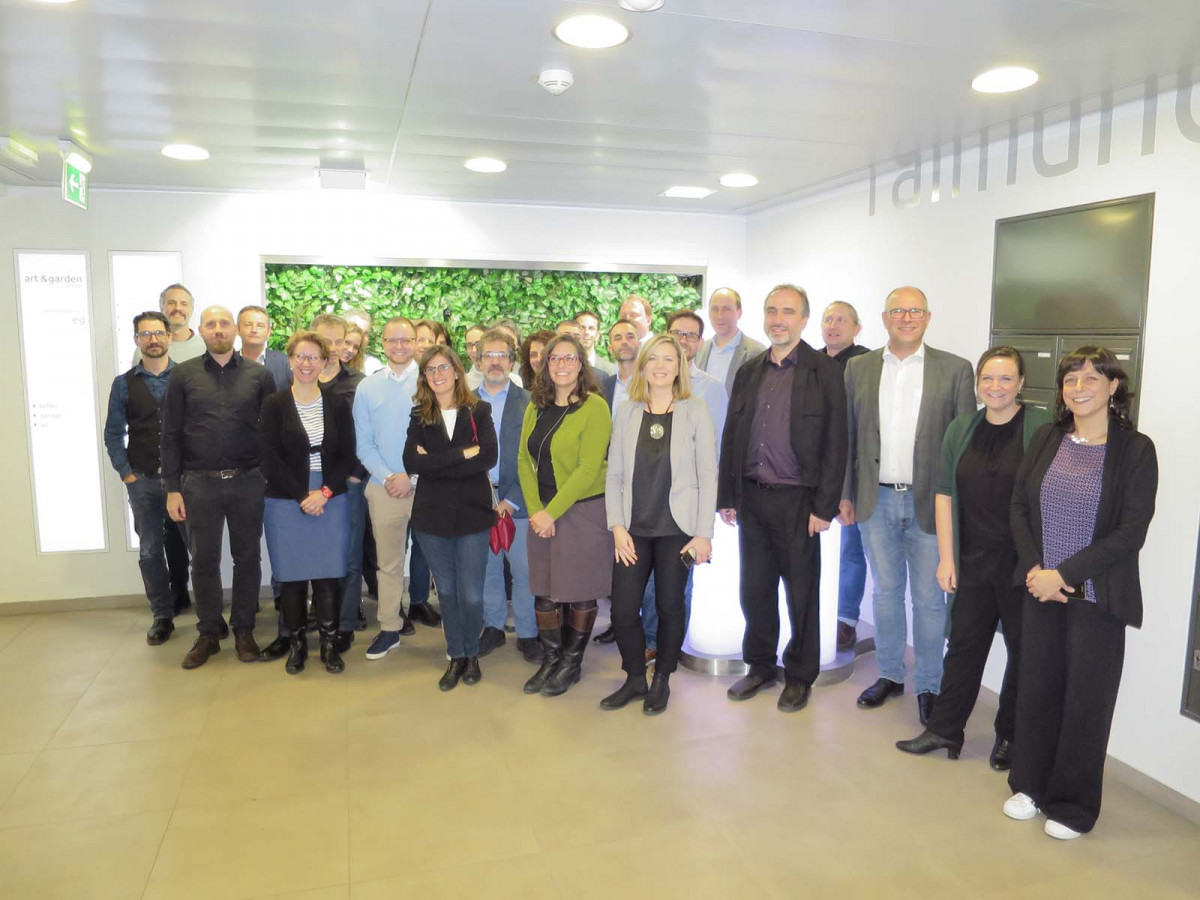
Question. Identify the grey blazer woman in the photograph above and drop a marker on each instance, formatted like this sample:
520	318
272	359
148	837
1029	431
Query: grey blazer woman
693	497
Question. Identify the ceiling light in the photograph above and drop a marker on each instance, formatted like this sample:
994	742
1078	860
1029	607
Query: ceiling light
342	179
18	151
185	152
687	192
641	5
738	179
1004	79
75	156
591	32
56	1
485	164
556	81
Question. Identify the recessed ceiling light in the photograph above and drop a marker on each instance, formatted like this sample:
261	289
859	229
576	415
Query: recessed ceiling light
56	1
18	151
738	179
641	5
687	192
1004	80
591	32
485	164
185	152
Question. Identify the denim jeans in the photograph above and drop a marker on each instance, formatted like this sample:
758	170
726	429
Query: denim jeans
650	610
356	501
458	564
148	500
852	575
418	575
899	551
495	605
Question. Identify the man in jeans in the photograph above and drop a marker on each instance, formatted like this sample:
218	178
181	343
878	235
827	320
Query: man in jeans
135	410
210	463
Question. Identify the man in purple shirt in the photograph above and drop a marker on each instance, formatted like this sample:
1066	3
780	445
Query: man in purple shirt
782	461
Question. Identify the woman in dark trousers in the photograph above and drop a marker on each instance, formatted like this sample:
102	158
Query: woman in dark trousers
1083	500
450	448
661	499
973	494
561	466
307	453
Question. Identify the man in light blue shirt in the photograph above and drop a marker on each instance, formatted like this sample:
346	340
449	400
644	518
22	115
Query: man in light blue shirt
728	349
688	328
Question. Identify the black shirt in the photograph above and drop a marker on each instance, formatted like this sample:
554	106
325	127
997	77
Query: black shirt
985	475
844	356
548	420
650	515
770	457
211	416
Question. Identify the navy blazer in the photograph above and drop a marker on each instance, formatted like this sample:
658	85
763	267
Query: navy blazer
280	367
509	487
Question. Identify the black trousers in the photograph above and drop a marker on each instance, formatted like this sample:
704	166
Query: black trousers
1071	660
774	543
211	504
175	545
973	617
657	556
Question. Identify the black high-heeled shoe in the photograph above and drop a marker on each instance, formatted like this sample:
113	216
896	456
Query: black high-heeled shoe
1001	756
927	742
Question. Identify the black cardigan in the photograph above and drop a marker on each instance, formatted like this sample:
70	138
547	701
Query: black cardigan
285	446
1127	492
454	495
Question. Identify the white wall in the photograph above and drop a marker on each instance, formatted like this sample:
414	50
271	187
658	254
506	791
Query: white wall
222	238
833	247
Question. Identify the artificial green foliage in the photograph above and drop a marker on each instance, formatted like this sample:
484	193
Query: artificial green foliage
460	298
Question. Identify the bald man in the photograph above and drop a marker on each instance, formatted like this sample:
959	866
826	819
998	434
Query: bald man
728	349
210	468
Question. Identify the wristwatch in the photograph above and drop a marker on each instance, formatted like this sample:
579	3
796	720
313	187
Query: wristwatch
326	492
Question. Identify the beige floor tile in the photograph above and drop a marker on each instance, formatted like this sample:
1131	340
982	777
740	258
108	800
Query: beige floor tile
13	767
29	722
45	672
105	859
11	626
253	849
263	699
521	878
335	892
139	712
230	770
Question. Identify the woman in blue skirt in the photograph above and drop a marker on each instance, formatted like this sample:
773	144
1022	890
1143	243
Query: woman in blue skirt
307	453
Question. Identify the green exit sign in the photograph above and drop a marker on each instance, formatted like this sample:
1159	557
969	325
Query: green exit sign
75	185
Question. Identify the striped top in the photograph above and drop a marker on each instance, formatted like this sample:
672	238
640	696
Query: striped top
312	417
1070	500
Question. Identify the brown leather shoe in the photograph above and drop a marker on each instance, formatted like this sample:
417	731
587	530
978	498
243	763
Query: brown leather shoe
247	649
651	655
847	637
200	652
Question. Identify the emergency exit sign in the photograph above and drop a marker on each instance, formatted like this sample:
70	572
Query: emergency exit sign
75	185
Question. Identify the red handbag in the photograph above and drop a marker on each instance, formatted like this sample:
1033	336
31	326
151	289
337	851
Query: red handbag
504	529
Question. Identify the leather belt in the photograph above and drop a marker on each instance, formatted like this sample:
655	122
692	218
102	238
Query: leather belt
770	486
223	474
900	488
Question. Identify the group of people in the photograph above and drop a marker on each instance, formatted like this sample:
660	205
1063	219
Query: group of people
543	475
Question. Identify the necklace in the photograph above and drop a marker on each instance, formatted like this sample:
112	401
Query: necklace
1079	439
549	434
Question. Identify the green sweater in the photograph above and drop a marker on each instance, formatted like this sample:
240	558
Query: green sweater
955	443
578	452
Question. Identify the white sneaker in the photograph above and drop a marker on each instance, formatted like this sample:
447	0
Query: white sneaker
1021	807
1061	831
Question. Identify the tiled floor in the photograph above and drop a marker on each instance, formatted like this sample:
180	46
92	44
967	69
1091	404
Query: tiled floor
121	775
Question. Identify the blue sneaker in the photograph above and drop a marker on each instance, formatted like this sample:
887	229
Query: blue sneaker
385	642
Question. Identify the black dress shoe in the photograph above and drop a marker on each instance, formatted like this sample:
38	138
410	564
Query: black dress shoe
847	637
658	695
794	697
876	695
247	649
223	629
925	701
277	649
182	601
407	628
1001	756
607	636
490	639
473	675
454	672
633	688
424	614
927	742
531	649
200	652
360	621
160	631
749	685
343	641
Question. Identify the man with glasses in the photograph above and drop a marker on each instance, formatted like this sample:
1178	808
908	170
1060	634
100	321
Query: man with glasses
254	328
900	399
589	323
688	328
729	348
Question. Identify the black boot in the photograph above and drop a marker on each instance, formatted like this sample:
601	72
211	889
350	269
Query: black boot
569	668
660	691
455	670
927	742
633	688
293	598
298	653
327	600
550	621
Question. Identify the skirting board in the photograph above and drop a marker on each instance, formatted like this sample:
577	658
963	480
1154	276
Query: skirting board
84	604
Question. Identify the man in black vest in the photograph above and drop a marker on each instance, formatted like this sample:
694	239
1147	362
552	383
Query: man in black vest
135	410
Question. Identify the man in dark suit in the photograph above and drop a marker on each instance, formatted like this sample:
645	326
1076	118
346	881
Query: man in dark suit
728	349
782	461
623	346
497	352
901	398
254	328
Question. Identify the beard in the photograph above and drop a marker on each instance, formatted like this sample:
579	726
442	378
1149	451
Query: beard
219	345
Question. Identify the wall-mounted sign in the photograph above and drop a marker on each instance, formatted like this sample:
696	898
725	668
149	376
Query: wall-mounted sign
74	185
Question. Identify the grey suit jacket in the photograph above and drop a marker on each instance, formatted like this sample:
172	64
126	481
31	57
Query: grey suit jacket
693	497
512	416
747	349
948	391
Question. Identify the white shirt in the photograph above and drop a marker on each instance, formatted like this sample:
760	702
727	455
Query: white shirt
900	389
720	358
371	365
407	371
449	417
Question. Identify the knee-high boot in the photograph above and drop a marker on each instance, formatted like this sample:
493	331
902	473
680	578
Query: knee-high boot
293	600
581	619
550	634
327	598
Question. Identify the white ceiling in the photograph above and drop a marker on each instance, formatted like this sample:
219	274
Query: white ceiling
801	93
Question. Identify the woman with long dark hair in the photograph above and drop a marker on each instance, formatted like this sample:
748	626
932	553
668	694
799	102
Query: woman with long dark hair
533	354
561	466
451	446
1081	506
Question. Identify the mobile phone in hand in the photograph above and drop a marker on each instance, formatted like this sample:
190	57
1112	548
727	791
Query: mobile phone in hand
688	558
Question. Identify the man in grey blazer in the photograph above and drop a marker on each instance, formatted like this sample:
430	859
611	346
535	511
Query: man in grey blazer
900	400
728	349
254	328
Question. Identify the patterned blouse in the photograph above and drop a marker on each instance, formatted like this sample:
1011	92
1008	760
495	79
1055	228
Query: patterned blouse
1070	498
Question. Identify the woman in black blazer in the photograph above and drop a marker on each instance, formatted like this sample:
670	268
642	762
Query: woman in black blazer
450	448
1082	502
307	453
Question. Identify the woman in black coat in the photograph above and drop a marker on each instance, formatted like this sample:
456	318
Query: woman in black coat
307	453
1082	502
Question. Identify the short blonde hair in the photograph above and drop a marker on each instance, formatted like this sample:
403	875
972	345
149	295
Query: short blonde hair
308	337
639	391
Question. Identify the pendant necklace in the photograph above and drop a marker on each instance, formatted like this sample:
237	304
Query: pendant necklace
549	434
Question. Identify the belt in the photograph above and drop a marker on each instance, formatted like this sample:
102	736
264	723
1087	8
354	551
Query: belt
900	488
769	486
223	474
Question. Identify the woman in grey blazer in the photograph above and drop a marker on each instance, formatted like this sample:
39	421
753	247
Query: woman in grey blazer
661	500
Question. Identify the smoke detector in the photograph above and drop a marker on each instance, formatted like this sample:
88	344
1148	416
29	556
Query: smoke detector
556	81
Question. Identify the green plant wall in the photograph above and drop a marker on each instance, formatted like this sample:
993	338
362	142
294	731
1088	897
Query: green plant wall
460	298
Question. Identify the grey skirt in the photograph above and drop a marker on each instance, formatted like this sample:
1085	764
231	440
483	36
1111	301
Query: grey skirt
576	564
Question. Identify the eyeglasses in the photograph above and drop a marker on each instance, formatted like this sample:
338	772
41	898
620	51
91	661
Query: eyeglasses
568	359
440	369
496	355
307	357
913	312
684	336
399	342
472	344
146	335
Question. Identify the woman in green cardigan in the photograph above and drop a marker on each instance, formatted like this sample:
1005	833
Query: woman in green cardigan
562	469
977	555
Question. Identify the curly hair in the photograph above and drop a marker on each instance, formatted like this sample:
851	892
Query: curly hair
542	394
1106	363
542	337
425	404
